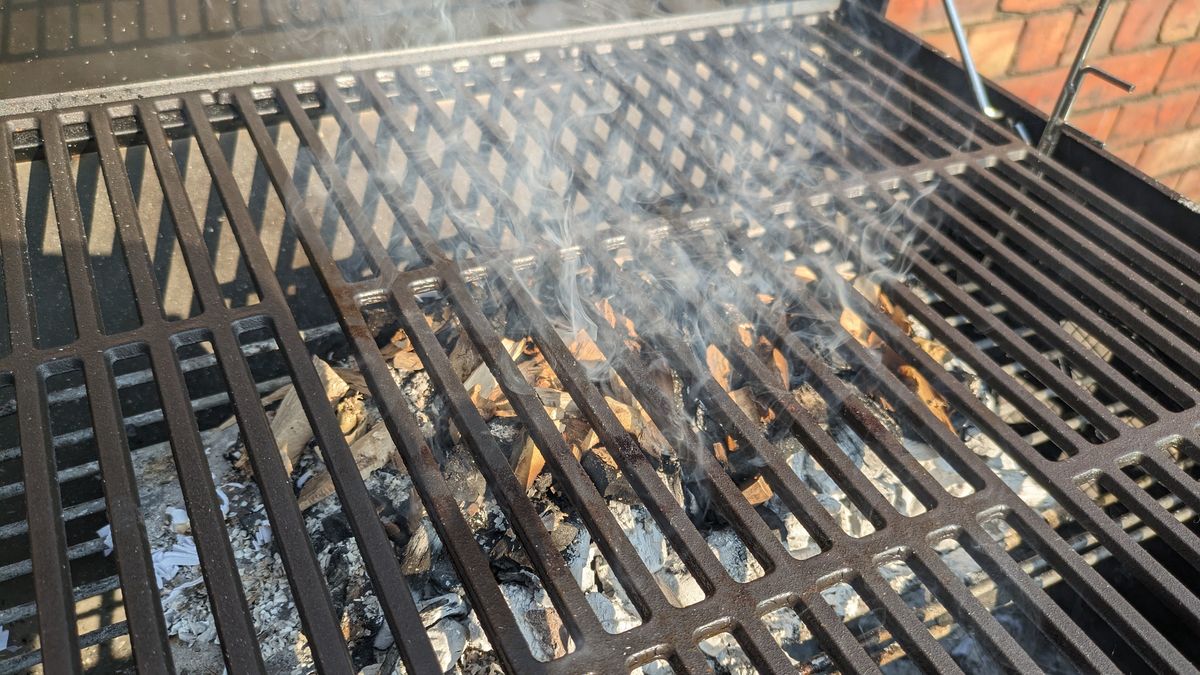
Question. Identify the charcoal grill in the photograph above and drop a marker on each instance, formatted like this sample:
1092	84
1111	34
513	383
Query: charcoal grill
334	203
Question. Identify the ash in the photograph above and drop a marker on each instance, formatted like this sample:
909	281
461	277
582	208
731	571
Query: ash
453	628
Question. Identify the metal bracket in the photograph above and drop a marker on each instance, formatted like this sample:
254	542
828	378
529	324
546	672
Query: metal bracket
1058	118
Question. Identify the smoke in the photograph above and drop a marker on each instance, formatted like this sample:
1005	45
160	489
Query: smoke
700	154
690	201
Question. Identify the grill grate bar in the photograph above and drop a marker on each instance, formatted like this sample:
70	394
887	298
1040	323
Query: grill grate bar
901	620
801	501
849	655
393	589
642	588
513	384
1129	221
43	505
1062	302
1170	591
931	97
1055	231
1151	512
1049	423
403	428
923	559
995	216
729	498
872	505
225	591
139	594
662	505
1075	353
1098	593
1033	600
1078	277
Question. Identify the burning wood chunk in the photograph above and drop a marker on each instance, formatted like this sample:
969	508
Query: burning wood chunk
907	373
290	425
353	379
548	629
602	469
620	322
757	491
351	415
371	451
585	350
528	463
407	361
928	395
719	367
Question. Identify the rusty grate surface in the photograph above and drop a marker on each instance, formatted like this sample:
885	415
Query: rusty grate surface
1053	329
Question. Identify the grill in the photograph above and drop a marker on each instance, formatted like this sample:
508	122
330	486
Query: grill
1009	341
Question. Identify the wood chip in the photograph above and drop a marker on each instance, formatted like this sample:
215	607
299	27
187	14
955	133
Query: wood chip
371	452
290	425
804	274
744	398
528	463
719	367
585	350
514	348
896	313
934	349
407	362
398	342
856	327
781	364
745	334
355	379
757	491
271	398
618	321
928	395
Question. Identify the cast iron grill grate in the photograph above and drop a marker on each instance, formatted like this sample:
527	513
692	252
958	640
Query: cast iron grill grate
1057	328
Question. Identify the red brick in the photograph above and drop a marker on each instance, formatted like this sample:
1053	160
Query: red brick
1140	25
1182	21
1130	153
1169	181
1027	6
976	11
1184	68
993	44
1170	153
1154	117
1096	123
1143	69
1104	37
1042	40
917	15
942	40
1040	90
1188	184
924	15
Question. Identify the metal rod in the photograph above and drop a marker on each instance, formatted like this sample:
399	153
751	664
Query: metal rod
1066	98
964	51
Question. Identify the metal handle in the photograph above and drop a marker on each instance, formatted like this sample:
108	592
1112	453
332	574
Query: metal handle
1078	71
960	37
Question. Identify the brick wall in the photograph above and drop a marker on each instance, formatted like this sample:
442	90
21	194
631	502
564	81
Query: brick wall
1027	45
